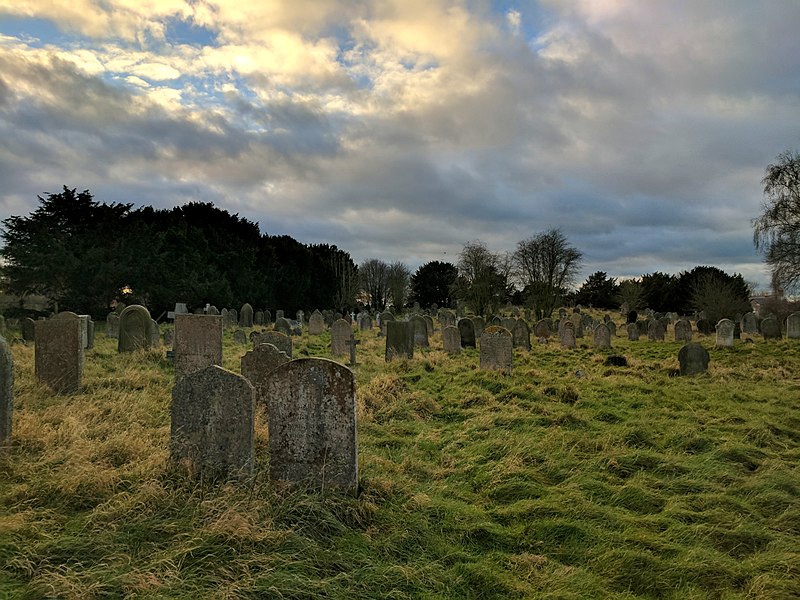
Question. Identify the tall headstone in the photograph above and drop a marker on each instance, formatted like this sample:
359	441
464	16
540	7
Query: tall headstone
724	329
312	425
257	366
771	329
197	342
683	330
420	331
566	334
451	340
429	324
520	334
793	326
155	334
58	360
212	428
693	359
602	336
246	315
134	329
316	323
341	334
496	349
399	340
633	331
466	327
6	392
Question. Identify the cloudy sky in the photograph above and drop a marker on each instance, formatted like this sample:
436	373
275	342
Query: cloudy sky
401	129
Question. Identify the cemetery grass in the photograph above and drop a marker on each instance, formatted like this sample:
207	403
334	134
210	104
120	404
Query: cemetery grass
566	479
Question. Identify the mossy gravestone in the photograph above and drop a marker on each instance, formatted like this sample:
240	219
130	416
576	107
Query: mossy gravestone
312	425
341	335
212	423
198	343
257	366
135	327
58	354
496	349
6	392
602	336
399	340
420	331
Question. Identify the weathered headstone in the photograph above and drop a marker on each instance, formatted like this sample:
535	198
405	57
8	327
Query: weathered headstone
749	323
316	323
612	328
312	425
479	324
429	324
283	326
246	315
197	342
693	359
602	336
212	429
341	334
154	331
633	331
520	334
239	337
6	392
771	329
278	314
451	340
280	340
683	330
655	331
704	326
28	329
447	318
793	326
542	330
257	366
466	328
420	331
399	340
386	316
566	334
89	333
724	329
496	349
364	321
59	354
134	329
258	318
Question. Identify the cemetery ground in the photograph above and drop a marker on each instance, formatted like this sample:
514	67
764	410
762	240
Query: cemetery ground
567	478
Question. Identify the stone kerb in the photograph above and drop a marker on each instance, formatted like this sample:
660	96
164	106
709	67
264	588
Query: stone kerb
134	329
212	429
724	330
496	351
312	425
197	343
58	354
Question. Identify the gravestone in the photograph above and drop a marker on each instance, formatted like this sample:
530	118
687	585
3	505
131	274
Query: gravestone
631	317
214	311
120	307
197	343
312	425
6	392
28	329
771	329
316	323
683	330
134	329
793	326
451	340
577	323
633	331
155	334
300	316
283	326
542	330
280	340
612	328
239	337
258	318
212	423
399	340
257	366
566	334
693	359
724	329
386	317
496	349
364	321
655	331
341	334
466	327
89	333
169	338
602	336
749	323
278	314
520	334
246	315
508	323
420	331
58	360
267	317
447	318
84	321
704	326
480	324
429	324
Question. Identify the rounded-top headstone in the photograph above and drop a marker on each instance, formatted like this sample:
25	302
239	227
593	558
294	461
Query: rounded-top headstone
135	329
246	315
693	359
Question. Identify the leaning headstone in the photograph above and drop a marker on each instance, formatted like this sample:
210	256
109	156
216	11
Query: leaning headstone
724	331
6	392
197	342
749	323
212	429
793	326
312	425
112	325
693	359
520	334
399	340
683	330
602	336
341	334
58	357
316	323
28	329
633	331
496	349
134	329
283	326
257	366
466	328
420	331
246	315
280	340
566	334
771	329
451	340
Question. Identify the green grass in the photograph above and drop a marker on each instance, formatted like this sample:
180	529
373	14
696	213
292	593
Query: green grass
568	478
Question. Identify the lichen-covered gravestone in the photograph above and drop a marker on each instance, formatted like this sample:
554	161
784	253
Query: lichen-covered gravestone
198	343
655	331
693	359
602	336
724	330
316	323
257	366
451	340
466	327
341	335
212	423
6	392
134	329
59	354
566	334
496	349
280	340
399	340
312	425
